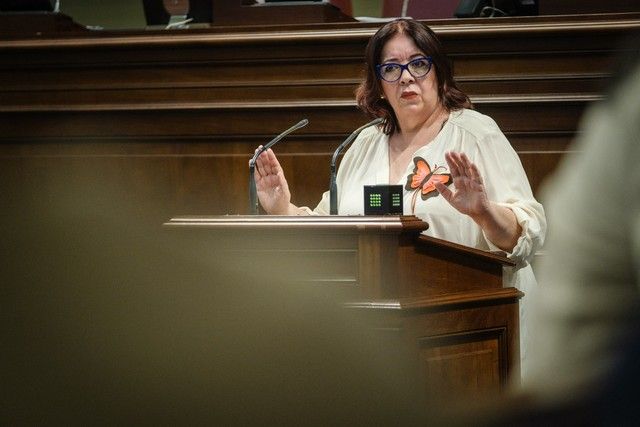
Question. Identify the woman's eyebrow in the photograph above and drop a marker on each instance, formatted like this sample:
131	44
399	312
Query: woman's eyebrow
396	60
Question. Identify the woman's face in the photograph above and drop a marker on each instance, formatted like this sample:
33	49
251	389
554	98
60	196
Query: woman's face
410	97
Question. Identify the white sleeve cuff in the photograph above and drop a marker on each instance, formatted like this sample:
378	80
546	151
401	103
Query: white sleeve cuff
531	237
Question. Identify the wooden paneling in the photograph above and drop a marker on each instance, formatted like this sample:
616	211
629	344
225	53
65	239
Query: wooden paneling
448	359
446	301
467	342
174	116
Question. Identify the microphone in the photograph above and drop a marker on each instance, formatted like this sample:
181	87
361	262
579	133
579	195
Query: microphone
253	193
333	187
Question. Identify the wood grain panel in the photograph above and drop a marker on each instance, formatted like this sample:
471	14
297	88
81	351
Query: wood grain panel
467	341
466	361
174	116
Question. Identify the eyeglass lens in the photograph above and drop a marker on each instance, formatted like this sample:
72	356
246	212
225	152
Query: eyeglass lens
391	72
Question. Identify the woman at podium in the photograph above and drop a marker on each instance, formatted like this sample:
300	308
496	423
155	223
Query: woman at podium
459	172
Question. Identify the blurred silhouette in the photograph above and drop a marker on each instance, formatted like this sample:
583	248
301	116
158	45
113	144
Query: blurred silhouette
109	319
586	318
585	321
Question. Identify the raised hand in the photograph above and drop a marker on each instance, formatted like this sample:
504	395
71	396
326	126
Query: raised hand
271	185
469	196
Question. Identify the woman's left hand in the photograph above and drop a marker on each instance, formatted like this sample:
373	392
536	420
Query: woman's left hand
469	196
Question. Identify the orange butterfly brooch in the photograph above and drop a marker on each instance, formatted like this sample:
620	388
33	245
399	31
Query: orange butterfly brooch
423	179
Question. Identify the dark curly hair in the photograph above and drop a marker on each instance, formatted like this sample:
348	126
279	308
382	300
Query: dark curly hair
368	93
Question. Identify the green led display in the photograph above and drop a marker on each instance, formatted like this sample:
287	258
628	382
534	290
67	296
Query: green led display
383	199
375	200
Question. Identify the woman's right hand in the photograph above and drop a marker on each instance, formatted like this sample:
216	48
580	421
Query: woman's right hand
271	185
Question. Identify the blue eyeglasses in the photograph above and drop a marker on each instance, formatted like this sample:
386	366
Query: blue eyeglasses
391	72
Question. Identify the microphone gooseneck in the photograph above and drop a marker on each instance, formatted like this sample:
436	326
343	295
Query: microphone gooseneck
333	186
253	193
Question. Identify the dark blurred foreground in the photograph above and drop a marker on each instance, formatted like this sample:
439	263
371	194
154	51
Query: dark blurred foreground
109	319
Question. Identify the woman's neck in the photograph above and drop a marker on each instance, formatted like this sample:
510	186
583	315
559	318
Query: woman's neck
418	133
403	144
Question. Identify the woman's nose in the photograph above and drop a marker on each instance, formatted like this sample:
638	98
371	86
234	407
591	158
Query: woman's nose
406	76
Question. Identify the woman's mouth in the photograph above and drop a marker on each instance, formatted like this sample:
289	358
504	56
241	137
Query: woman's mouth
408	94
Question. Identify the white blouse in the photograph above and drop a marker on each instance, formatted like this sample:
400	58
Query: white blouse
366	162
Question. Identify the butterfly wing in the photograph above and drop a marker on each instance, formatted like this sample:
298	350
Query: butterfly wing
429	187
420	175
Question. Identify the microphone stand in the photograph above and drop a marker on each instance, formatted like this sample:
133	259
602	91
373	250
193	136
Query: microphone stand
333	186
253	193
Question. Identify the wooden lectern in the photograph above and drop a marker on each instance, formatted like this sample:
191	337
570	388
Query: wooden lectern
447	300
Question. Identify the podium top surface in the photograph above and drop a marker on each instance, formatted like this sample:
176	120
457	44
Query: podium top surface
407	223
332	225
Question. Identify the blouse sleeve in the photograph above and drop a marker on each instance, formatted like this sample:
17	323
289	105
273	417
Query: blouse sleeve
507	185
323	207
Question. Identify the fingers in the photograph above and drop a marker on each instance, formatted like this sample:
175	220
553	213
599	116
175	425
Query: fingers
474	173
453	160
443	190
270	176
461	167
267	163
458	163
258	166
260	163
272	164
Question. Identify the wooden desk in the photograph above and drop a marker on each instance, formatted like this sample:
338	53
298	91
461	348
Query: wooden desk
444	299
